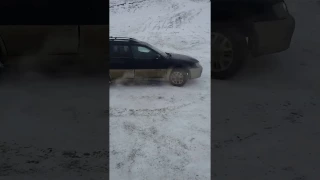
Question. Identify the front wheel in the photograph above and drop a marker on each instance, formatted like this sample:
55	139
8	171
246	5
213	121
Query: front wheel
178	77
229	51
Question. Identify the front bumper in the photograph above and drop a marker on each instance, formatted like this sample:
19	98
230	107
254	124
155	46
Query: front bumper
195	72
272	36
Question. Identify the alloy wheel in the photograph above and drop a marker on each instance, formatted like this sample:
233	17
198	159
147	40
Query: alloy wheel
222	52
177	78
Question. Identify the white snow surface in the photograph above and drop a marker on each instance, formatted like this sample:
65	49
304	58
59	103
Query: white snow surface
158	131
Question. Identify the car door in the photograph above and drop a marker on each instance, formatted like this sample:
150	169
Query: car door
148	63
120	61
93	47
93	35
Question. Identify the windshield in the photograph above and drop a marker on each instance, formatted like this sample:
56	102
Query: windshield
157	50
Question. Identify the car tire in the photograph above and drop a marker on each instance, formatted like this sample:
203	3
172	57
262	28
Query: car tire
178	77
232	49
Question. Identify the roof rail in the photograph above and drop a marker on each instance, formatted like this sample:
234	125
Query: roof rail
122	38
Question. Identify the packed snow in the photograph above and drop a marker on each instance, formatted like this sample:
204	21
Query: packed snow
158	131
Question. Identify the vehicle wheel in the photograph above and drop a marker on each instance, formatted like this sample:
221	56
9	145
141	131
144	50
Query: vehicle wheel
178	77
229	51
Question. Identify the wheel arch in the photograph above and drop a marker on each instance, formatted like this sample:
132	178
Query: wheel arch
244	27
176	66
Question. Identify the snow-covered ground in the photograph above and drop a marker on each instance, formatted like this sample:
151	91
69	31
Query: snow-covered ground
266	121
158	131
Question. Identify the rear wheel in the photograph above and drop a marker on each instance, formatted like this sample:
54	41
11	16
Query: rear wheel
178	77
229	51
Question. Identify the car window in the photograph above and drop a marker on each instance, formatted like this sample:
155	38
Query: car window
141	52
143	49
120	51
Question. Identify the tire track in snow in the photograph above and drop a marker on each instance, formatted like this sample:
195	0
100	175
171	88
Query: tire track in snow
121	112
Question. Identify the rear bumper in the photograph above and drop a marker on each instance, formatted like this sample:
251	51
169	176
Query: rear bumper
272	36
195	72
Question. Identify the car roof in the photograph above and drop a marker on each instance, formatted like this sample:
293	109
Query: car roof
125	40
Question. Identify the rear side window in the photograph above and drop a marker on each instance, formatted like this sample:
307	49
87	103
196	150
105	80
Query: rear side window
120	51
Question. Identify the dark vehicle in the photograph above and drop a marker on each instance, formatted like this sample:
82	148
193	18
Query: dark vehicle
132	59
54	35
240	27
54	48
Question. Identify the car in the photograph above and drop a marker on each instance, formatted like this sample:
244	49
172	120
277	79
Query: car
130	58
71	36
247	27
45	48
